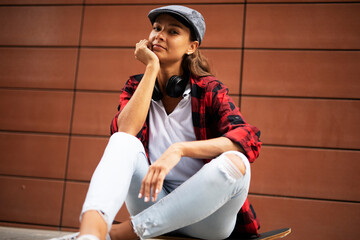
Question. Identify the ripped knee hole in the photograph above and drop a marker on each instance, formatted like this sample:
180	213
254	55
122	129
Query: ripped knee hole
237	161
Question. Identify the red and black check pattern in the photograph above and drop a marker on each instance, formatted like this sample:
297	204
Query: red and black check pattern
214	114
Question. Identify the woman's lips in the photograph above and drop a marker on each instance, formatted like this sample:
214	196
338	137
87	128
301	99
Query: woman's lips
158	47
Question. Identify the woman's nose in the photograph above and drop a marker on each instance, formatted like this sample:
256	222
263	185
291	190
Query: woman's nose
159	35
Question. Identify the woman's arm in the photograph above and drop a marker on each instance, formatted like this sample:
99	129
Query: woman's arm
132	117
207	149
202	149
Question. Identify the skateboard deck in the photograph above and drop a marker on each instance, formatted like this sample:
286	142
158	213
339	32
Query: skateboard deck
275	234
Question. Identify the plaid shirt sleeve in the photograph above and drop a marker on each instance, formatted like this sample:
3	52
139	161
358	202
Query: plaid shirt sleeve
232	125
230	122
125	94
215	114
247	224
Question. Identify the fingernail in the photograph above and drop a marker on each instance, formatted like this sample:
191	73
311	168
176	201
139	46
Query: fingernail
153	199
140	195
157	191
146	199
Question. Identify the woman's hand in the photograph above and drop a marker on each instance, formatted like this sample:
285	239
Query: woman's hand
144	54
154	179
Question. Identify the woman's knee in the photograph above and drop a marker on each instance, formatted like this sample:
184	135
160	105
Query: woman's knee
121	136
125	140
235	164
237	161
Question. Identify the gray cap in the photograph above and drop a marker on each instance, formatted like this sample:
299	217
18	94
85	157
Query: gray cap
190	16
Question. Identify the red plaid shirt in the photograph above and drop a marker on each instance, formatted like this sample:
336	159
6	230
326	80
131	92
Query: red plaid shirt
214	114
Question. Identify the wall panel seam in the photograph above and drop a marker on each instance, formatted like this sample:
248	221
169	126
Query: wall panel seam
33	132
40	46
162	4
42	5
106	136
38	89
302	198
305	49
202	48
302	3
52	179
29	224
242	55
300	97
44	179
310	147
72	115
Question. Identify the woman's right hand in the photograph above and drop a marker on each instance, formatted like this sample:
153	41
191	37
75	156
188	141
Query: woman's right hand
154	179
144	54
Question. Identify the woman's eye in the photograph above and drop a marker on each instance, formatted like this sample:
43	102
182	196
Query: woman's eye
174	32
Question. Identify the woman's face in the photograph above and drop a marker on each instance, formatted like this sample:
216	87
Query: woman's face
170	39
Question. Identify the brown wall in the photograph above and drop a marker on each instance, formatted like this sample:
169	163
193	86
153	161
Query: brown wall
293	68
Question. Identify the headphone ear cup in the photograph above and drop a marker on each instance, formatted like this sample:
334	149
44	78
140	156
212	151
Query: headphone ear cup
157	95
175	86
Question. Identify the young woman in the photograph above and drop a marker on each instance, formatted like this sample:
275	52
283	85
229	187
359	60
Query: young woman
180	150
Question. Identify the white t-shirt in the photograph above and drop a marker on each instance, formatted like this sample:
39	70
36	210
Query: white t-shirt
164	130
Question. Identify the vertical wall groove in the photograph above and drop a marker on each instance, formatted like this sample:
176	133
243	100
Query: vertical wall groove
242	55
72	114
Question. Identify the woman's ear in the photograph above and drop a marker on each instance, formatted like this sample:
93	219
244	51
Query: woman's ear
192	47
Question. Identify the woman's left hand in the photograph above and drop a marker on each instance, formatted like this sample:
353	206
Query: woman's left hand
154	179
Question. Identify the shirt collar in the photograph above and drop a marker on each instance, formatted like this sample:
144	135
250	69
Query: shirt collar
187	91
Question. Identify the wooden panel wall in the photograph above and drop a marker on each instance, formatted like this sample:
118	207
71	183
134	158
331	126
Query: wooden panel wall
293	67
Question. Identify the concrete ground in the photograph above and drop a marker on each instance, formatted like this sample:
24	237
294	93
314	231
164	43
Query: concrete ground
11	233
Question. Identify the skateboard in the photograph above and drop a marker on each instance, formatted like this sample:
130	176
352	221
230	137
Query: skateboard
275	234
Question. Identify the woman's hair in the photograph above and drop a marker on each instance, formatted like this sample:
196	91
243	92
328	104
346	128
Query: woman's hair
196	63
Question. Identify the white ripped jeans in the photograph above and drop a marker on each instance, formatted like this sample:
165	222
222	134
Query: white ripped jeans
205	206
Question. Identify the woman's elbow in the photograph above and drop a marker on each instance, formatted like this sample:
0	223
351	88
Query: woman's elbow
129	130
